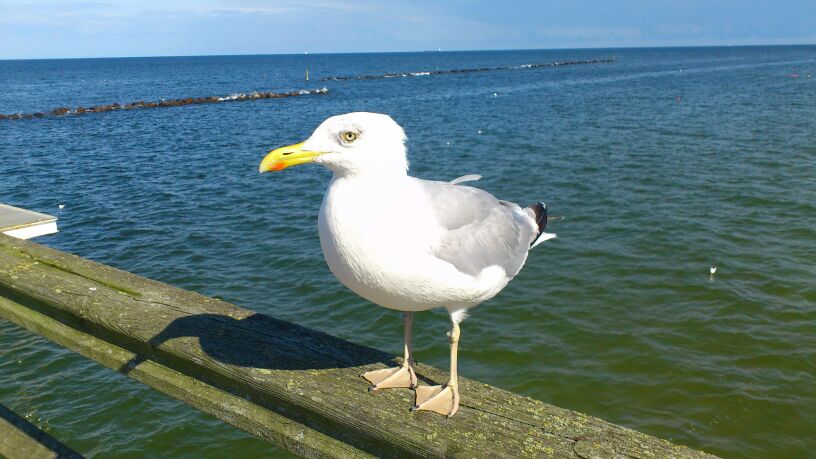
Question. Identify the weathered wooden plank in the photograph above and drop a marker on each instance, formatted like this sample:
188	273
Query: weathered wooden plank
22	439
283	371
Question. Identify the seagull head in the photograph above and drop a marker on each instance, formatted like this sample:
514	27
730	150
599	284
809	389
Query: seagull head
353	143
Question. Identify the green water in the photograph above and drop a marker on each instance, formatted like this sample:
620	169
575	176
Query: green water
665	163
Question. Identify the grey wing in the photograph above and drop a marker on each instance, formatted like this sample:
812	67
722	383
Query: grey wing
479	230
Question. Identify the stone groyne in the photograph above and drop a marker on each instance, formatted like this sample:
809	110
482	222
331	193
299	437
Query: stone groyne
62	111
471	70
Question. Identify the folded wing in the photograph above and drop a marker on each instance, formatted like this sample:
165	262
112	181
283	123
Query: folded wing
479	231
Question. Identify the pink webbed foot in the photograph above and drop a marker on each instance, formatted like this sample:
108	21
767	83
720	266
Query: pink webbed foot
439	399
388	378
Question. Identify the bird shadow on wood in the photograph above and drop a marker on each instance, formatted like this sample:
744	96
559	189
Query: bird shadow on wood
258	341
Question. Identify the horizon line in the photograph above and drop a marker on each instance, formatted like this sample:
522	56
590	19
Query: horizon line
439	50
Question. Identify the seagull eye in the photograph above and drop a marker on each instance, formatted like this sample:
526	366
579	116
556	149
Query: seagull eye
349	136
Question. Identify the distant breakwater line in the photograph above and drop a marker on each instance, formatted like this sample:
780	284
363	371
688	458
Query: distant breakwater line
455	71
62	111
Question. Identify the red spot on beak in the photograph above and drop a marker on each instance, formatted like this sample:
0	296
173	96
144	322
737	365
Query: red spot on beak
278	166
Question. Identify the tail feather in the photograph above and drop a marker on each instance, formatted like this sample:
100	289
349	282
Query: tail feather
539	211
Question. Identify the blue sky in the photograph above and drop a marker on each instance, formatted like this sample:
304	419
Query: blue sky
56	29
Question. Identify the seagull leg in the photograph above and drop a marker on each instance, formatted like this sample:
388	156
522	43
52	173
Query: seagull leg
401	376
442	399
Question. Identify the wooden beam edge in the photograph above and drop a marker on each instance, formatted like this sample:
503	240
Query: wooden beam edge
21	439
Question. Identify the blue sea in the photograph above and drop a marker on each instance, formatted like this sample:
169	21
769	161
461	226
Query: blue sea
664	163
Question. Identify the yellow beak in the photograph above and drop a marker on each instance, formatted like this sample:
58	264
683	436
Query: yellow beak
283	157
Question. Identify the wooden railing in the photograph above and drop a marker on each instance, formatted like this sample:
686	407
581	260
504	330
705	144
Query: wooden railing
295	387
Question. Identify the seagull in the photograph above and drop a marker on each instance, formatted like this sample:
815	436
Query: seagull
409	244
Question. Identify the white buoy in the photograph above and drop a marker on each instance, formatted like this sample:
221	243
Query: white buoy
479	131
61	206
495	94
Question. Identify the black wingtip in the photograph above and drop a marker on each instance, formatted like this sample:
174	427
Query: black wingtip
540	211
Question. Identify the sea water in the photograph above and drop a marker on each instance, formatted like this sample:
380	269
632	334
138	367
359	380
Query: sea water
664	164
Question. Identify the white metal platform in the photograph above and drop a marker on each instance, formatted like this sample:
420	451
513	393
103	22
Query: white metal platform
25	224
